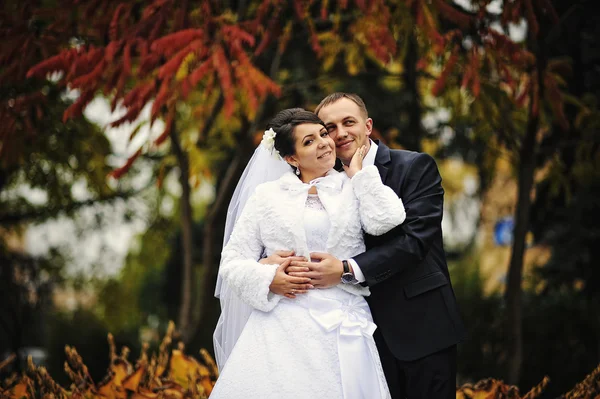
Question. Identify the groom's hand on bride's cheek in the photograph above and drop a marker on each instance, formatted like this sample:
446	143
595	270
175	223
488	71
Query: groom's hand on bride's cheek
325	269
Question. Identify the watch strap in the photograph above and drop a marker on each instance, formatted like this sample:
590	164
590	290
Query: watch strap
346	266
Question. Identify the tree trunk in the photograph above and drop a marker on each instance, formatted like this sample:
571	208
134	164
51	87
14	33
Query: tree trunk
415	129
515	271
526	171
224	194
211	238
187	278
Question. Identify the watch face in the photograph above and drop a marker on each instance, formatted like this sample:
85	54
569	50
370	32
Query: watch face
347	277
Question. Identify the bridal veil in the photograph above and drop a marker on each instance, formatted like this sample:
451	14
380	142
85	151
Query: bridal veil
264	166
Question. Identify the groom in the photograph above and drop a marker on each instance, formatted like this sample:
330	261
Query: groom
411	300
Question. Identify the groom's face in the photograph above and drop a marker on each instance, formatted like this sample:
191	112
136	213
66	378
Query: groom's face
348	126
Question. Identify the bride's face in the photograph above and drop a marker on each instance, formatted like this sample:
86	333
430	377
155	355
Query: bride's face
314	150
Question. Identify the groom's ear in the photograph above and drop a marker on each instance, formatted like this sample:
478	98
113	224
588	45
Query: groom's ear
369	126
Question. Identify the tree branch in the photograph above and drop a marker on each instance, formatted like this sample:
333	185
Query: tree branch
49	212
185	307
210	121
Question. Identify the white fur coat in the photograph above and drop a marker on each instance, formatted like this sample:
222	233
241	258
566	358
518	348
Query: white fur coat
272	220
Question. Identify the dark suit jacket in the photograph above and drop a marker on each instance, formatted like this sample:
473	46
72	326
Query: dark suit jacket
412	300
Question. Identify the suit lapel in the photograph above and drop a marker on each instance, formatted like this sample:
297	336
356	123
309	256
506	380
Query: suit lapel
382	159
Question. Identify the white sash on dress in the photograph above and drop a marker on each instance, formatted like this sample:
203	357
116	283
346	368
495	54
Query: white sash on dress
359	361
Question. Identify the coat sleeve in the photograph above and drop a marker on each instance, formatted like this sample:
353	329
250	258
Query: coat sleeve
249	279
379	207
409	243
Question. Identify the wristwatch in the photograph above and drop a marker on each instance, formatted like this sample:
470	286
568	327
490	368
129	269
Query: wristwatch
347	275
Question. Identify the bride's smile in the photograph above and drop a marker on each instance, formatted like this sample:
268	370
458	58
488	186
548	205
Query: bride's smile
328	153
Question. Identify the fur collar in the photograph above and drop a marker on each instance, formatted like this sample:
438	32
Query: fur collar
332	182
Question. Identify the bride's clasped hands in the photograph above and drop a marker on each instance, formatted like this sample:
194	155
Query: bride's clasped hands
287	285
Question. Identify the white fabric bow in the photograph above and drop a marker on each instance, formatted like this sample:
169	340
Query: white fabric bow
351	318
330	182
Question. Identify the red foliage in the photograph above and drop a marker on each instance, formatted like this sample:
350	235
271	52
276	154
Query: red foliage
442	79
299	9
237	37
324	12
130	116
122	9
170	44
381	40
261	13
475	79
524	95
127	59
511	12
361	5
90	81
160	100
424	21
139	96
118	173
148	63
506	76
223	69
168	70
78	106
168	127
555	99
464	21
84	62
422	64
146	50
531	18
265	42
112	49
60	62
196	76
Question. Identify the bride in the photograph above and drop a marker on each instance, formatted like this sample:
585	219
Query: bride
297	341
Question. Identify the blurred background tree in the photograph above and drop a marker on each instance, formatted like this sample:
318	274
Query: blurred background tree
145	114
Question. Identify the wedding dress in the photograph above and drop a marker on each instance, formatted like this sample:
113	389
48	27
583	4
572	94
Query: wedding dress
319	344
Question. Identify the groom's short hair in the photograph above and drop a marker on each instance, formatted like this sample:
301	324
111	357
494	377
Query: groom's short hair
335	97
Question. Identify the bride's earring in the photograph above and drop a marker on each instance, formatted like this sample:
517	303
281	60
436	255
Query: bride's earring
297	171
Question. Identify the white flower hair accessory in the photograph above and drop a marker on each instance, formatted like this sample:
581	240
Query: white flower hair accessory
268	141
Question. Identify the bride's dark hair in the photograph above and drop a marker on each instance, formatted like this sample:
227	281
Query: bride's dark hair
284	123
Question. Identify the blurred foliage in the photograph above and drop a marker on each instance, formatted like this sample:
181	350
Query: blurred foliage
166	373
41	182
26	284
127	300
560	333
170	374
